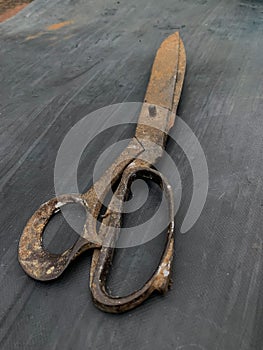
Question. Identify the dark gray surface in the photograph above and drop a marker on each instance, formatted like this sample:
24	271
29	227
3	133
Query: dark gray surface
50	82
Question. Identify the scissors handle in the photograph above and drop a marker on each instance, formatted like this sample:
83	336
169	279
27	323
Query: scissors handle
42	265
110	228
37	261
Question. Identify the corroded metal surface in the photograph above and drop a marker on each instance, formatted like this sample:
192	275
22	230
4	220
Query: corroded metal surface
154	122
110	228
160	89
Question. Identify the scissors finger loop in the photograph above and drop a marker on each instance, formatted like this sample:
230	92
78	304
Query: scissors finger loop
111	227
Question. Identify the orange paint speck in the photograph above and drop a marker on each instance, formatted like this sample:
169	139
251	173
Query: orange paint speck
59	25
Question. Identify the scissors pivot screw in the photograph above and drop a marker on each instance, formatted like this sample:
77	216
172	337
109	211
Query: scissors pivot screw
152	111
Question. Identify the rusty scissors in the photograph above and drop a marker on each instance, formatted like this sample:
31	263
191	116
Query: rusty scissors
156	118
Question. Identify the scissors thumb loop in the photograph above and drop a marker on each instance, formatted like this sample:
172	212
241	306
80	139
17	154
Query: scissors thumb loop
38	262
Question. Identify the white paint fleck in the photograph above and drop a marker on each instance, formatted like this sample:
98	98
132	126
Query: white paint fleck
131	164
59	204
164	269
165	273
133	146
50	270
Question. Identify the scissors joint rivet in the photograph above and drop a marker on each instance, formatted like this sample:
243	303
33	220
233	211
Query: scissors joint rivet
152	111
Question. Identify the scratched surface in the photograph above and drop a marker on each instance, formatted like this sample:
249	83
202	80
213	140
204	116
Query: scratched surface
61	60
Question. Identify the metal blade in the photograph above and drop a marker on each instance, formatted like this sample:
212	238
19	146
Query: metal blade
158	113
179	76
167	75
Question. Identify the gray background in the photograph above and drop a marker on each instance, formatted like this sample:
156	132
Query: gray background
50	82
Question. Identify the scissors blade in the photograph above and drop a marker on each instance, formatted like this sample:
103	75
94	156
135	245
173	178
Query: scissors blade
180	76
162	96
168	70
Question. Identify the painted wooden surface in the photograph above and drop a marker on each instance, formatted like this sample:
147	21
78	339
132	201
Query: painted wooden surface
61	60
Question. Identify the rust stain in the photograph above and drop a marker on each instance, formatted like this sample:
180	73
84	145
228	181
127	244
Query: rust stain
59	25
161	86
11	12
